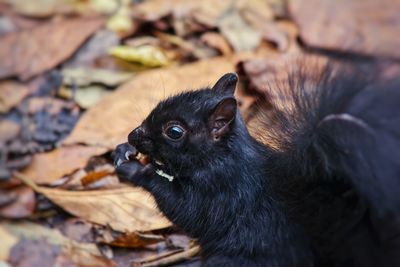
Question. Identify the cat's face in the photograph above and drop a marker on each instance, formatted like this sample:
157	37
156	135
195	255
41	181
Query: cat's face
182	131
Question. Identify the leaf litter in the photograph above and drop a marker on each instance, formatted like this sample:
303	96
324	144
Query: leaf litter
77	76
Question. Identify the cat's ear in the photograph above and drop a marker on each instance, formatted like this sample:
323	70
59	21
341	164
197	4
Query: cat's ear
226	84
222	118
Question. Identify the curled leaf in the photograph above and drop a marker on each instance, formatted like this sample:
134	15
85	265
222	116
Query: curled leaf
147	55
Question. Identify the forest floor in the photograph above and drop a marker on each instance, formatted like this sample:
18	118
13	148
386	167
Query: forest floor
77	76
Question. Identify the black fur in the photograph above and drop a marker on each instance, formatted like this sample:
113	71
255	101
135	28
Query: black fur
324	194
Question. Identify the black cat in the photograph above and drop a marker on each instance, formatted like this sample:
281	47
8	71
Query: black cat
326	194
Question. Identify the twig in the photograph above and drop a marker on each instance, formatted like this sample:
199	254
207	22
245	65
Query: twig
174	258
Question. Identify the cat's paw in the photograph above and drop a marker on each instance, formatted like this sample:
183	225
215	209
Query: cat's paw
123	153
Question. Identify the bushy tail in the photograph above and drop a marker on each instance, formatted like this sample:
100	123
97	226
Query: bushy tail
341	121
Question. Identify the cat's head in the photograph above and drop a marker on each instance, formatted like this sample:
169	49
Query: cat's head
185	130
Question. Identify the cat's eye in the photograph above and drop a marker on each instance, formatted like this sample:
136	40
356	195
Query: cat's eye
174	132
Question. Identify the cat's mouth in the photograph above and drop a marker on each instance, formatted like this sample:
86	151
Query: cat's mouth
146	160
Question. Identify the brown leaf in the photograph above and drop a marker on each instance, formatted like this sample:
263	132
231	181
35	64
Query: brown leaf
21	207
367	27
240	34
33	253
126	209
40	8
8	130
82	254
126	240
215	40
48	167
108	124
94	48
28	53
11	94
170	257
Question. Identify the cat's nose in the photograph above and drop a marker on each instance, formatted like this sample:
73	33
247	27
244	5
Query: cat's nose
136	136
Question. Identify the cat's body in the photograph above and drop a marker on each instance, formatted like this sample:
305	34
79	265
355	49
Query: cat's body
318	198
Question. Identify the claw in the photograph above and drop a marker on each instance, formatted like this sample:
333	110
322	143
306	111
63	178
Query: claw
128	154
119	162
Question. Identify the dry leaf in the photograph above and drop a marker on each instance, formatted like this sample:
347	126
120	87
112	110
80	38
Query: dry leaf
23	206
40	8
87	76
96	47
7	242
48	167
82	254
88	96
8	130
367	26
216	41
28	53
127	209
146	55
241	35
96	175
11	94
126	240
121	20
108	124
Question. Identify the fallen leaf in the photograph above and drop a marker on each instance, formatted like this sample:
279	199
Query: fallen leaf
146	55
52	105
121	21
29	53
96	47
105	235
127	209
155	9
8	130
88	96
216	41
205	12
78	230
7	242
82	254
185	47
108	124
366	27
11	94
97	174
34	253
241	35
87	76
22	207
50	166
169	258
269	30
6	25
40	8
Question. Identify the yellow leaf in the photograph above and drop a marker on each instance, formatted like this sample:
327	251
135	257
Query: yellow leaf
147	55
